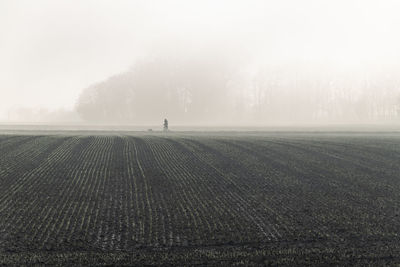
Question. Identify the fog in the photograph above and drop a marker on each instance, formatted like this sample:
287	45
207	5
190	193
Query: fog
200	62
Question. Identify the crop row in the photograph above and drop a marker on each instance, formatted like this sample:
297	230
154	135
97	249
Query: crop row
124	193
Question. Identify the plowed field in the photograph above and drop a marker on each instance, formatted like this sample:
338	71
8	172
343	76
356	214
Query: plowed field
187	199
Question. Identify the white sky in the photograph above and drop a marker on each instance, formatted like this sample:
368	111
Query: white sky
51	50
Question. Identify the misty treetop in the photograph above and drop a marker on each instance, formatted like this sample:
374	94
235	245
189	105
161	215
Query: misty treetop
215	89
153	89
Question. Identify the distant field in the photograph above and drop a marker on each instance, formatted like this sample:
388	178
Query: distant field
211	198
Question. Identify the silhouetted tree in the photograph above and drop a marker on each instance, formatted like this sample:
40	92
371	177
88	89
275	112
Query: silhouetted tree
187	89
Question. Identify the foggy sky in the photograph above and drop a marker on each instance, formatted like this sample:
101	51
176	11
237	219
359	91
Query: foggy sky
51	50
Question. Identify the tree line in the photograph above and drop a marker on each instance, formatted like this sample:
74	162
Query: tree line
214	90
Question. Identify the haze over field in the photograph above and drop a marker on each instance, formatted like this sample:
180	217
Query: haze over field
200	62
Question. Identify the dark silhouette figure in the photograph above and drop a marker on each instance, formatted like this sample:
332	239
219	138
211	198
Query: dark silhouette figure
165	125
